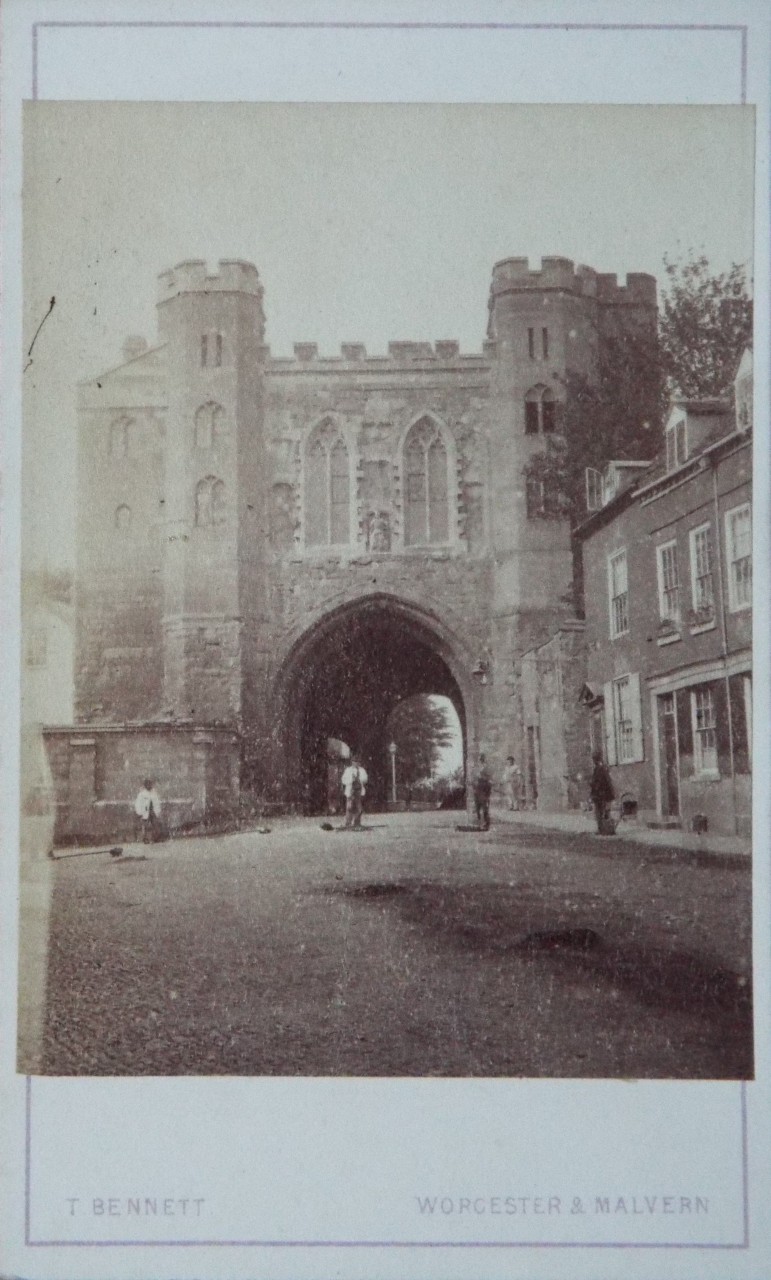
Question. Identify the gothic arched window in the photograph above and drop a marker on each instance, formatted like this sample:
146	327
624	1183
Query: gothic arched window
426	489
208	424
327	489
540	411
209	502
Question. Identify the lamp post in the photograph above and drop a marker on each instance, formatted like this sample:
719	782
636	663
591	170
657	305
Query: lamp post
392	750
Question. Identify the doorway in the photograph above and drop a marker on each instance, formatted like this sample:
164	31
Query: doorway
668	756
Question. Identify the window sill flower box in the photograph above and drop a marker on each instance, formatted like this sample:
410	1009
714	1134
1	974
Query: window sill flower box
701	620
668	632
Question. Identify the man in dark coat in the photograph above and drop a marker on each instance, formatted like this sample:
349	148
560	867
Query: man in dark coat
482	785
600	790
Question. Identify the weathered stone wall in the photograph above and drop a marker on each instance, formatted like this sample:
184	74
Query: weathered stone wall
98	772
200	565
549	680
121	472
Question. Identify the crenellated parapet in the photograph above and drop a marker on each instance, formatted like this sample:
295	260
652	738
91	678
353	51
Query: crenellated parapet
233	276
401	354
514	275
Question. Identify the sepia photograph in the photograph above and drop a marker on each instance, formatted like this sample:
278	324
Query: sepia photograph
387	591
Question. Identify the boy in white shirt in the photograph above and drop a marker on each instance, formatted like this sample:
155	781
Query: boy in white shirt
147	808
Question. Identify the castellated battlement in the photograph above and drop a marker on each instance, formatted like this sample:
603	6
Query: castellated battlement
400	353
512	275
233	276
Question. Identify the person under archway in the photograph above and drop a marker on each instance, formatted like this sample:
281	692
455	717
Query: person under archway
354	783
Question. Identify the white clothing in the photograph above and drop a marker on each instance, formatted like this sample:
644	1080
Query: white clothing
143	802
349	774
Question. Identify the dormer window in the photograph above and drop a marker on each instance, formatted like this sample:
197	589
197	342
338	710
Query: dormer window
676	439
594	489
743	392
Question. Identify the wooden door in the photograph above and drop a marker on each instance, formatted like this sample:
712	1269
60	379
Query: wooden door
668	755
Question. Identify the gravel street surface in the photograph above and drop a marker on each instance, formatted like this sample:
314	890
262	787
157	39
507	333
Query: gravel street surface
412	948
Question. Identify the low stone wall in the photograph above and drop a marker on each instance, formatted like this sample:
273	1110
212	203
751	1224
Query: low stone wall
98	769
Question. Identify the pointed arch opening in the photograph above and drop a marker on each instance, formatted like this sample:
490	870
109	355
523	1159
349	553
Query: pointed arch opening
343	679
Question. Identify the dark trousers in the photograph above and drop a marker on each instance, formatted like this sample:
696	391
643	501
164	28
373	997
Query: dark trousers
149	829
482	806
353	811
601	808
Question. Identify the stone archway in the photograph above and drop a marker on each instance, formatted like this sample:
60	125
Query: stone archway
343	678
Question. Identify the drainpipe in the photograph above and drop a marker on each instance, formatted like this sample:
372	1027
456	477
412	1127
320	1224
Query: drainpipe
724	634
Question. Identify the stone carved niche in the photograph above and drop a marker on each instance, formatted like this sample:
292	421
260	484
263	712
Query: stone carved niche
475	523
282	517
375	503
379	531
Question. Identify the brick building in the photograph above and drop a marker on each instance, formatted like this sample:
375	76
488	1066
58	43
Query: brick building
274	552
667	564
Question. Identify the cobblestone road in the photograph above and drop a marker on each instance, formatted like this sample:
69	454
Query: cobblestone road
410	949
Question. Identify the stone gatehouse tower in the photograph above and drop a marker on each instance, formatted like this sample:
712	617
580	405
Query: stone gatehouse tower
276	551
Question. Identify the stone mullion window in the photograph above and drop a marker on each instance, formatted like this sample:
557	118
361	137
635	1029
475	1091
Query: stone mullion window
426	494
327	491
416	497
339	496
437	495
209	503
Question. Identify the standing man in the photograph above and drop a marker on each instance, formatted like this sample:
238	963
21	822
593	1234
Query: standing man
512	783
601	791
147	808
482	785
354	782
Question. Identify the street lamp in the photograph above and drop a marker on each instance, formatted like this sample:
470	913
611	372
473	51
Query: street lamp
392	749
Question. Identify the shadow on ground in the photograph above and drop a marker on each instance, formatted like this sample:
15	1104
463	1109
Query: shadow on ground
517	923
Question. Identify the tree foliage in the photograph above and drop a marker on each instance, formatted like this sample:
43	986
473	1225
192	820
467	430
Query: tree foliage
705	324
619	409
615	413
421	729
